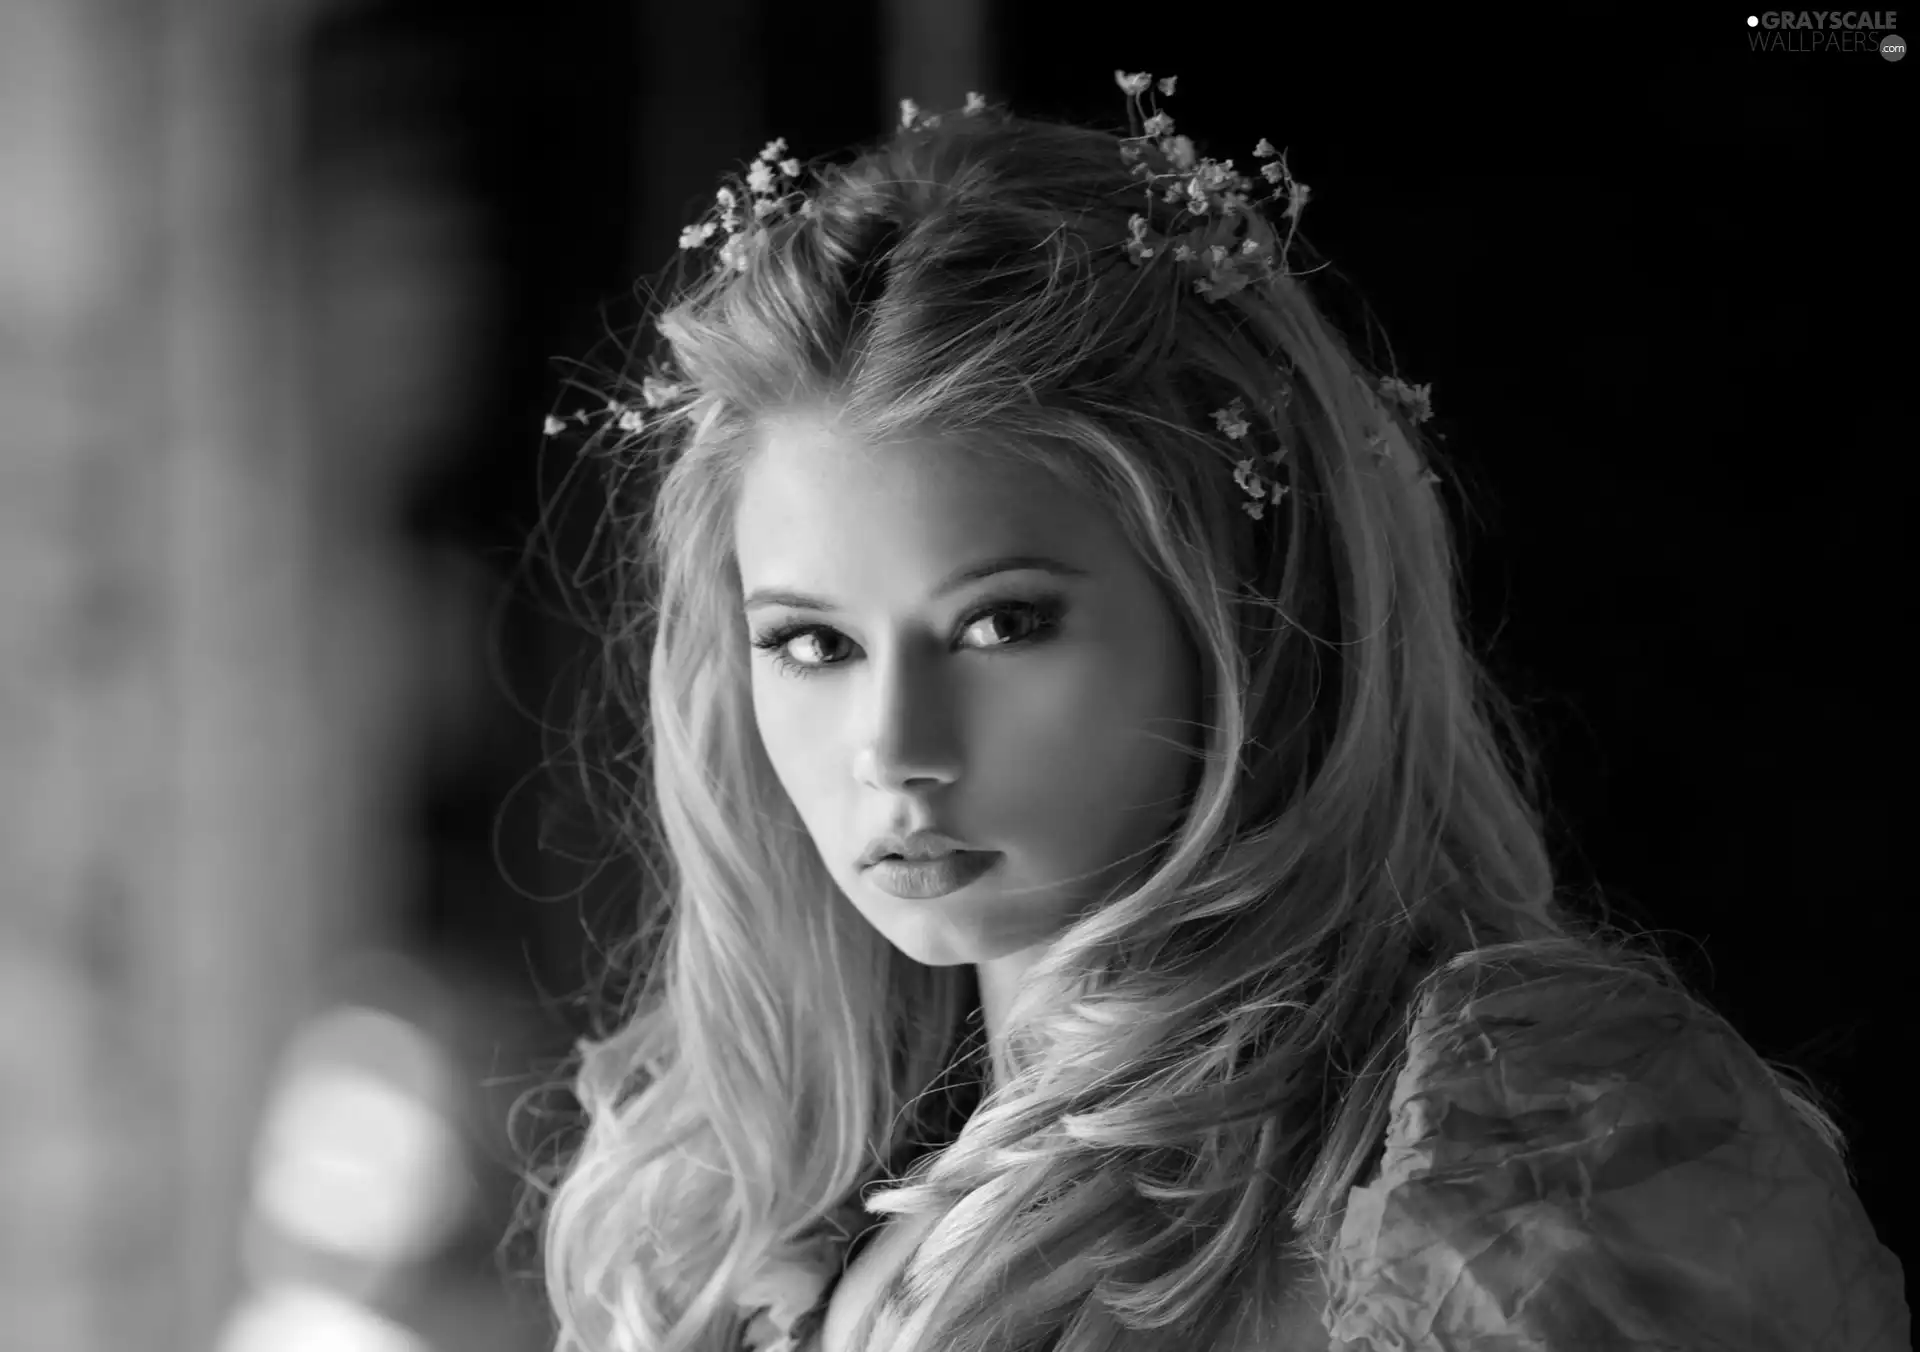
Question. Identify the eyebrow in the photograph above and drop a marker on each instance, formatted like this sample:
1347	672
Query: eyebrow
960	577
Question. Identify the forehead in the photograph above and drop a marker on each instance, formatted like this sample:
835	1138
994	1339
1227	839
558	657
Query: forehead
812	489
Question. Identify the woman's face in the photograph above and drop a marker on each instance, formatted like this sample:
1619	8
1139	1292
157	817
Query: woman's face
1046	716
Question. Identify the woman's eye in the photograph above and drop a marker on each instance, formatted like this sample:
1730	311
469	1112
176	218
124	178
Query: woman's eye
806	649
815	645
1008	624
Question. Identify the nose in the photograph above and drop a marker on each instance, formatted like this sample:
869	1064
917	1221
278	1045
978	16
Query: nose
911	734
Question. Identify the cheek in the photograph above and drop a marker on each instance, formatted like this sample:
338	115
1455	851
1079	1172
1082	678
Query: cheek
791	739
1103	765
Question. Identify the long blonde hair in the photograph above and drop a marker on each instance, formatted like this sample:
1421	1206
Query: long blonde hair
1199	1069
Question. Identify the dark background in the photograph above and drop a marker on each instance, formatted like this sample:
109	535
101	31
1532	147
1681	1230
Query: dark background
1652	274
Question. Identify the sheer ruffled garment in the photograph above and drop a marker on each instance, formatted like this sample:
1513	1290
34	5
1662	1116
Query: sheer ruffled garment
1575	1164
1583	1163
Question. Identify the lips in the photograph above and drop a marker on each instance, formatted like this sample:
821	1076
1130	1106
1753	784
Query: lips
923	843
924	879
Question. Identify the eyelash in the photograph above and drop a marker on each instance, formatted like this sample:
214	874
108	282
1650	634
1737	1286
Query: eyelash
1044	611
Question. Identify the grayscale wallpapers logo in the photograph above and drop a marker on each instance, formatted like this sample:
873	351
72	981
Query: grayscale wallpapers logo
1827	30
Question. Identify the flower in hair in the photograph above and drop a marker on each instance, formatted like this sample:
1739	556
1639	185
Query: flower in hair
1415	400
1232	420
771	184
1226	233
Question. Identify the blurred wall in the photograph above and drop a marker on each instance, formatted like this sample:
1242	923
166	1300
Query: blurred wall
209	678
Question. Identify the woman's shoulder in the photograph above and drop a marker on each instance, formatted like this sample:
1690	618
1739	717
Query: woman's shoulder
1585	1155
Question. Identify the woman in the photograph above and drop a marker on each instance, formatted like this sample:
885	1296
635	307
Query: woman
1078	807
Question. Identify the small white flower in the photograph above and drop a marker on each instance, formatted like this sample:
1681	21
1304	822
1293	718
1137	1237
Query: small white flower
976	103
657	392
1233	421
554	427
1417	400
909	110
1132	84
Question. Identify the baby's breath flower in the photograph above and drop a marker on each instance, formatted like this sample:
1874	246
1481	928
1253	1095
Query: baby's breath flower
760	177
1417	400
773	149
1158	125
976	103
1166	85
658	393
1265	150
790	167
553	426
1137	247
1233	421
733	254
1132	84
693	236
909	110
